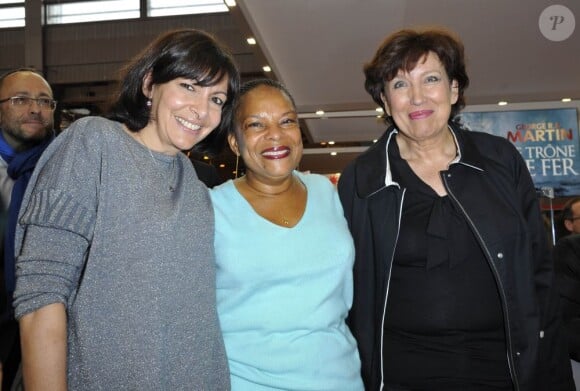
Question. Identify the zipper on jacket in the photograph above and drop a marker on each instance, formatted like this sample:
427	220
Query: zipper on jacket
387	291
510	361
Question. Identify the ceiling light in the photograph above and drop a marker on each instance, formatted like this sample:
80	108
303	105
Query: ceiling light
79	111
206	158
502	103
331	143
251	41
375	140
266	68
323	143
566	99
379	110
222	165
333	153
230	3
319	112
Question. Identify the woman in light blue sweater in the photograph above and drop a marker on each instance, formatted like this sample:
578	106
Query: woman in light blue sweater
284	258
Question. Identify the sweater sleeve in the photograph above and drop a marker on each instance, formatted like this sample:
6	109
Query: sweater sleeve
48	268
57	219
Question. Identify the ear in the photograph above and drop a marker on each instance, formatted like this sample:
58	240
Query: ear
569	225
233	144
386	104
147	86
454	91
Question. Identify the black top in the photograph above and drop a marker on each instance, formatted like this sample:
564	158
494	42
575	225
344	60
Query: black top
444	326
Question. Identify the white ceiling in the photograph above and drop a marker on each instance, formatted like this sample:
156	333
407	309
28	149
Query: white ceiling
318	47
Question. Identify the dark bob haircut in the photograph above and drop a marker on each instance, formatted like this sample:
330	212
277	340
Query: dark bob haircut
251	85
403	49
187	53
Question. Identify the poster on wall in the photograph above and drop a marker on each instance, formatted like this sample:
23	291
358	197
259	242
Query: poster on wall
547	139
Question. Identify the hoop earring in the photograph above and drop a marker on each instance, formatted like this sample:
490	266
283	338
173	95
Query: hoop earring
237	163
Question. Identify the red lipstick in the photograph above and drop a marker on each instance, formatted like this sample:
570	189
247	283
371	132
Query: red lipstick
276	152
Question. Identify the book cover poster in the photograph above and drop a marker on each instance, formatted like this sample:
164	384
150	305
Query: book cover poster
547	140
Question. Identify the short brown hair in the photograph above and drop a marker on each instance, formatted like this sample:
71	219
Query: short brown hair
404	48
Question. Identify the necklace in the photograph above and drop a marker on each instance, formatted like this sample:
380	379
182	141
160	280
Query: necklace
275	206
139	137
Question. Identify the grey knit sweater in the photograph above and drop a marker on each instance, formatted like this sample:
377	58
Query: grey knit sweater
124	238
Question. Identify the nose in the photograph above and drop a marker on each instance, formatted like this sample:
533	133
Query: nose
274	132
416	95
34	106
200	108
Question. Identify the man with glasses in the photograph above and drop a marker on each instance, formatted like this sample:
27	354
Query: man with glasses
26	128
571	216
567	268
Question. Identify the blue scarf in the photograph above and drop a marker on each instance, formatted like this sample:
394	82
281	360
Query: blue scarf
20	168
6	151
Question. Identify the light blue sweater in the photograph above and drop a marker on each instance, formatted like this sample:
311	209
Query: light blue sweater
283	293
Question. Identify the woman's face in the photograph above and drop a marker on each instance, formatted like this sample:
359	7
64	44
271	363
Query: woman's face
183	113
267	134
420	101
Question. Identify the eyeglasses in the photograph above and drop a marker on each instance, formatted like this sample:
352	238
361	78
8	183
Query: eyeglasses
21	101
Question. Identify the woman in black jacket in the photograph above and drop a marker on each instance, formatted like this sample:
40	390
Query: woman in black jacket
453	275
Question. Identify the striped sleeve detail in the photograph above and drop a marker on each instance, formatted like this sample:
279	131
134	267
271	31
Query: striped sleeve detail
54	209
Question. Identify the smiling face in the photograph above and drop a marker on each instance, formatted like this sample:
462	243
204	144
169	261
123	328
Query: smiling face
420	100
267	136
27	125
182	113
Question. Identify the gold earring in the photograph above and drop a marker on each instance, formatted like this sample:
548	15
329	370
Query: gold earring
237	162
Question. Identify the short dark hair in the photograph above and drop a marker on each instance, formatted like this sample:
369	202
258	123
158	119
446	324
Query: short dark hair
187	53
251	85
404	48
567	209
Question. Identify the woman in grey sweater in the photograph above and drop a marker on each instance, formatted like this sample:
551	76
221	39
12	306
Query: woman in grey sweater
115	271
